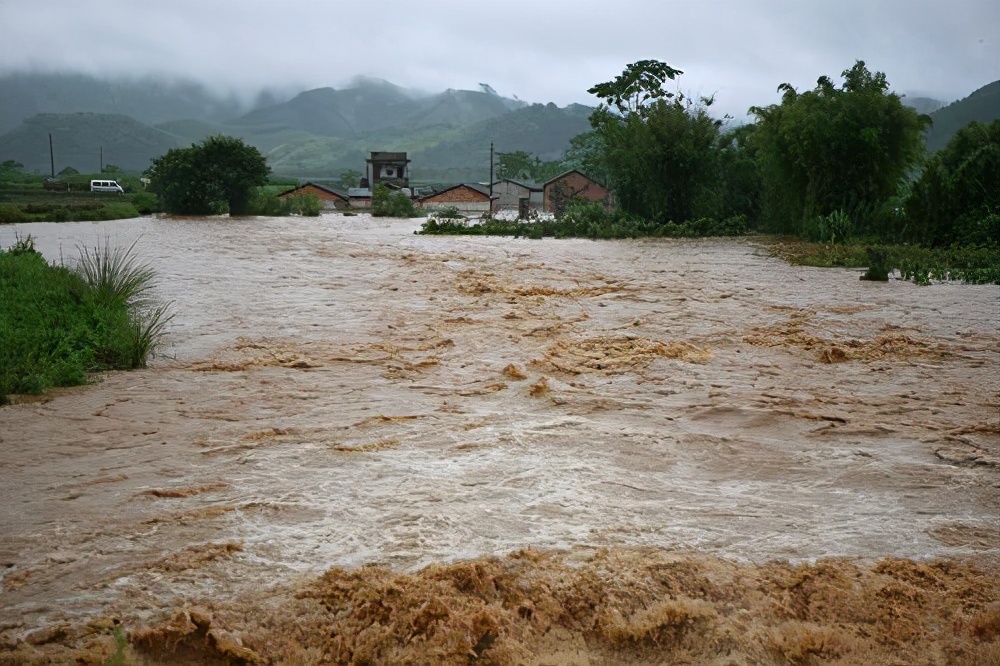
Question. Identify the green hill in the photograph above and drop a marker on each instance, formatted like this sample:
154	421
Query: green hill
543	130
79	138
317	133
148	100
923	105
370	106
982	106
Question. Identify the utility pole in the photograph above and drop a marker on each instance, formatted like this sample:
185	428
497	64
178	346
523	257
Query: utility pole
491	177
52	157
102	160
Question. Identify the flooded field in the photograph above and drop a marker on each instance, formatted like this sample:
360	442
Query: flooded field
610	426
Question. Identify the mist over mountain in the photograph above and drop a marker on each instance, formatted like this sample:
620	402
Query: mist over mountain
309	133
147	100
318	132
83	140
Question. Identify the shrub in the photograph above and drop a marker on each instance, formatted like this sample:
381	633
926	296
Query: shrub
11	214
448	213
309	205
145	202
59	324
386	203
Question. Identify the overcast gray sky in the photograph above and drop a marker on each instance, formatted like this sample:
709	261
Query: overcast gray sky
539	50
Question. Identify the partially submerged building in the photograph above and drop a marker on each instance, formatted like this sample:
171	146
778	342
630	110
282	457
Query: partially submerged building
573	184
468	198
389	168
330	197
519	196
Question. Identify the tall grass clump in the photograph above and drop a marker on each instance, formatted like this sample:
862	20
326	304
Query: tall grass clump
59	324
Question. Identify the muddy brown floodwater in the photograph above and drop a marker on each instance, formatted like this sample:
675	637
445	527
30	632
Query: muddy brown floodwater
339	392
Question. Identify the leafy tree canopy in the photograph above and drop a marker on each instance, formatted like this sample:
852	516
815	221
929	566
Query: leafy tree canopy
520	165
641	83
832	149
956	199
216	175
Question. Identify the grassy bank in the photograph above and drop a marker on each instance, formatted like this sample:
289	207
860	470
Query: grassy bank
970	264
57	325
44	206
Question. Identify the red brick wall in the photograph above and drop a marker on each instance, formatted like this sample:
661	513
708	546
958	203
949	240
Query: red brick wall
309	189
458	194
572	185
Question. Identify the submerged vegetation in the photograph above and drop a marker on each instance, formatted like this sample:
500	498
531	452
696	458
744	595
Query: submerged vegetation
58	324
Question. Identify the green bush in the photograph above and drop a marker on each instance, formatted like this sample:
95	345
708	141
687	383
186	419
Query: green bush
448	213
309	205
145	202
57	324
386	203
11	214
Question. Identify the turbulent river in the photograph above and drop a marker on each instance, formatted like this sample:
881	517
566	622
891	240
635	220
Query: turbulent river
340	391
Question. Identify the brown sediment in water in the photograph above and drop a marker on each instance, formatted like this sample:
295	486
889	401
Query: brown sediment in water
657	435
605	606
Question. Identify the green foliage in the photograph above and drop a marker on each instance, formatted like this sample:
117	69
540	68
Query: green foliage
387	203
641	83
144	202
308	205
111	168
217	175
448	213
588	219
350	178
879	265
835	226
662	154
521	165
833	149
972	265
68	171
58	324
265	202
957	197
11	214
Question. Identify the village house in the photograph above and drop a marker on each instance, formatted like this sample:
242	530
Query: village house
573	184
516	195
469	198
330	197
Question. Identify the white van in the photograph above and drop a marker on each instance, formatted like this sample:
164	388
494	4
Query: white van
106	186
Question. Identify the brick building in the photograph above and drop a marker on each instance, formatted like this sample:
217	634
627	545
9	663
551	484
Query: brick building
467	197
330	197
574	184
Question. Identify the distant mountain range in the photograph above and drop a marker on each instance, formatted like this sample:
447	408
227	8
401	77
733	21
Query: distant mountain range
315	133
983	106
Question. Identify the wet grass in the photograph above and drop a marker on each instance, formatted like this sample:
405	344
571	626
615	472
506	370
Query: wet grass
922	265
58	324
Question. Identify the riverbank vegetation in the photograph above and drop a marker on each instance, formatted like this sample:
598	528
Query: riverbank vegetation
59	324
840	168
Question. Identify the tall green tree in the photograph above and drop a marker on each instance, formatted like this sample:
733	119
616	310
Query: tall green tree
657	148
216	175
832	148
957	198
521	165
